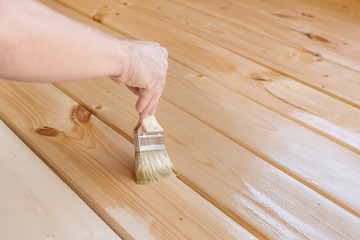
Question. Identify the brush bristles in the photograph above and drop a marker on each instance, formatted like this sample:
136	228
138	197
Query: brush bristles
153	166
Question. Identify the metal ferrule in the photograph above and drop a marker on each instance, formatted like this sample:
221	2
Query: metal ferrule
149	141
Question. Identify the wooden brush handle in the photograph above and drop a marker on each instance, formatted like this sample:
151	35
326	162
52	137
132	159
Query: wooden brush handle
149	124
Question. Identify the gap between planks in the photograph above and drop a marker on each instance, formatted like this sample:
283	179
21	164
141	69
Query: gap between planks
260	155
251	56
196	188
250	26
301	122
215	215
40	205
182	178
96	209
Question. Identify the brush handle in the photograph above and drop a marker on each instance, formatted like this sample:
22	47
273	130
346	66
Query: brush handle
149	124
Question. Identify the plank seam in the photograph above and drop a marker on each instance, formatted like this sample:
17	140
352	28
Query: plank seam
357	151
301	123
193	186
233	23
257	61
73	187
261	156
264	158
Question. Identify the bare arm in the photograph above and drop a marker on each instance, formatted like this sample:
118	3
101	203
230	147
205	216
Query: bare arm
38	44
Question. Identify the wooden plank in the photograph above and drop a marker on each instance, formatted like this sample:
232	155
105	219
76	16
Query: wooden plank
297	28
35	203
290	98
210	58
247	125
236	181
241	75
98	164
248	190
313	17
348	10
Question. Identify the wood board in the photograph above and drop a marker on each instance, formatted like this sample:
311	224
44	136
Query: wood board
293	154
197	53
240	75
35	203
246	187
302	29
98	165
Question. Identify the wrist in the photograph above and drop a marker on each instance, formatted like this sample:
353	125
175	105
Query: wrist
121	57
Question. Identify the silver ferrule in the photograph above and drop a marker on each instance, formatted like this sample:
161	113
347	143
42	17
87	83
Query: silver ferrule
149	141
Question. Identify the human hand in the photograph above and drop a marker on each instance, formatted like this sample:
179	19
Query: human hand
144	73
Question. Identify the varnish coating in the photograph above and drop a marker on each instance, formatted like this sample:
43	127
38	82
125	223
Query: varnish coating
260	114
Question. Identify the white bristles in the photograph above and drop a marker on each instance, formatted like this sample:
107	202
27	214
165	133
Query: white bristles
153	166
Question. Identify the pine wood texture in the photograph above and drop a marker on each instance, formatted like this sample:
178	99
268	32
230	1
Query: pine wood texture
305	66
35	203
260	114
228	175
213	99
348	10
98	164
280	93
301	28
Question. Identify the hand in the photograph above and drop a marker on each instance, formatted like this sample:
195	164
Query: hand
144	73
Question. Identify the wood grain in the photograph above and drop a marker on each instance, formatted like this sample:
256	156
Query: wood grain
348	10
98	164
35	203
301	103
293	153
236	181
305	30
268	202
209	58
246	77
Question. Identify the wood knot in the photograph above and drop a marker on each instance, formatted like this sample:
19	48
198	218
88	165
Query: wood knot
316	37
98	107
307	15
282	15
97	17
260	78
81	114
47	131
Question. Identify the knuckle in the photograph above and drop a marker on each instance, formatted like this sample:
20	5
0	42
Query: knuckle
165	52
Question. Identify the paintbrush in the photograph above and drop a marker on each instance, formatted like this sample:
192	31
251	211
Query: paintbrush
152	163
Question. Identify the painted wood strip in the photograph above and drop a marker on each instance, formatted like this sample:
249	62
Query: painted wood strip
287	145
304	66
296	27
236	181
290	98
98	164
35	203
270	201
243	76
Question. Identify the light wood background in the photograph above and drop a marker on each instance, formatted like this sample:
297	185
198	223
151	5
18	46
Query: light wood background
261	116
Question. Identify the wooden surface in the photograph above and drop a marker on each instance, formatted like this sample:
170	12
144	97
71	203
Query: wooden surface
260	112
35	203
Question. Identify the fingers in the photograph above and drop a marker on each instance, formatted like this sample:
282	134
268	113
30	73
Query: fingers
145	96
144	74
148	101
134	90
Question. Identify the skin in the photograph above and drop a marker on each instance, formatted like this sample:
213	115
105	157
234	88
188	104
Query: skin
38	44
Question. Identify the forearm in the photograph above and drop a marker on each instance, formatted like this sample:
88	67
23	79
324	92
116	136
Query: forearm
41	45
